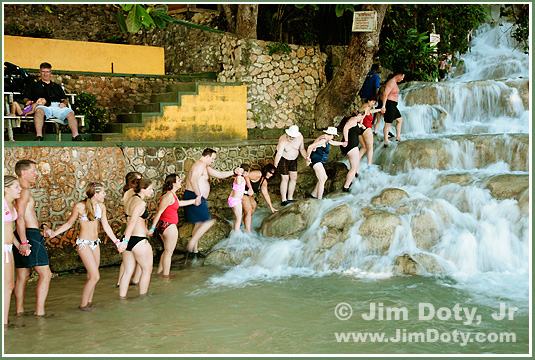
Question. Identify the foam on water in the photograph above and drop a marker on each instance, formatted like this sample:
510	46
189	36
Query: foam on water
484	246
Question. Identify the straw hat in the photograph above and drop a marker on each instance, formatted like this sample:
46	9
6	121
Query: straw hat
293	131
331	130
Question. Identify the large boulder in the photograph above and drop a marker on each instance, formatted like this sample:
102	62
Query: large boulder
446	179
508	186
291	220
221	230
417	264
378	230
389	197
338	217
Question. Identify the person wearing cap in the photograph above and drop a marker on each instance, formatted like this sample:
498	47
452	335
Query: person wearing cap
288	149
317	154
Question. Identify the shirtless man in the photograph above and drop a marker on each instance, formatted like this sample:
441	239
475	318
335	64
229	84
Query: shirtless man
288	149
29	236
390	106
198	188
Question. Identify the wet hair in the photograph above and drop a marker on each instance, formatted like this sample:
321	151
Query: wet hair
375	67
268	168
23	165
91	189
371	98
129	180
140	184
245	167
45	65
9	180
208	152
168	183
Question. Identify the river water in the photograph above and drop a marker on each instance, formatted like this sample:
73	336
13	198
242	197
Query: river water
284	298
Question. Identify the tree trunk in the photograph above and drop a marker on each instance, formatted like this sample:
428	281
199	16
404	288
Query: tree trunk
246	20
336	98
230	10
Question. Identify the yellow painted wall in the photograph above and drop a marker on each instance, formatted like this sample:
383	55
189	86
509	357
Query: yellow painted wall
84	56
217	112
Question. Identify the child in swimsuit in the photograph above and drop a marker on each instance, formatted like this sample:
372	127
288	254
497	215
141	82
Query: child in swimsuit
28	110
236	196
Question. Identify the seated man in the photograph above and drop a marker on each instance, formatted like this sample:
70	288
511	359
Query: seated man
54	94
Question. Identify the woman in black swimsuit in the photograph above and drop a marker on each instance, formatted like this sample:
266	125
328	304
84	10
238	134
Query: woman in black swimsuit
353	128
256	181
138	249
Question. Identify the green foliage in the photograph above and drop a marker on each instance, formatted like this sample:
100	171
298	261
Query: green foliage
278	48
411	54
95	117
405	42
520	15
142	16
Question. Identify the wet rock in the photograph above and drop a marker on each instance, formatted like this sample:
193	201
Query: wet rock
338	217
220	257
220	230
389	197
452	178
417	264
508	186
523	203
291	220
378	230
425	230
331	238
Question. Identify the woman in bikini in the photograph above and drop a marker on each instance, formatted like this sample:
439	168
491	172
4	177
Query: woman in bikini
12	191
236	196
166	221
257	181
138	248
128	192
90	212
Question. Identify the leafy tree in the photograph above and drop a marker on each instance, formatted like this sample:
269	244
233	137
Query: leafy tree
336	98
146	16
95	117
405	41
519	13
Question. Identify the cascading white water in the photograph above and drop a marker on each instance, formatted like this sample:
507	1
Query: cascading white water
480	237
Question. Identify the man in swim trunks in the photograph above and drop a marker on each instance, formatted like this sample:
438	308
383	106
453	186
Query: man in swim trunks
288	149
198	188
390	106
29	236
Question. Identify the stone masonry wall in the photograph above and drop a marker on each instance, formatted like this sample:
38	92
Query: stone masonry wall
282	88
65	172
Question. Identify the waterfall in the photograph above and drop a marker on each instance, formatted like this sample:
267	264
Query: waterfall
464	141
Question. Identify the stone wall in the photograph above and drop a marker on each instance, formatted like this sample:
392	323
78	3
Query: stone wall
282	88
65	172
117	94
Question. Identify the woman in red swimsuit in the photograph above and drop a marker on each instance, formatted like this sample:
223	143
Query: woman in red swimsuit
366	139
166	220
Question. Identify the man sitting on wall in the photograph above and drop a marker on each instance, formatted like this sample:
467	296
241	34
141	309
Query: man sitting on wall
54	94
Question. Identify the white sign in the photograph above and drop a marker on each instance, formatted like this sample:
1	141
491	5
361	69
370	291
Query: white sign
434	39
364	21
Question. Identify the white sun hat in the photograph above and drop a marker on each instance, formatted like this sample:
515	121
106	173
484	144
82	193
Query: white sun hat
293	131
331	130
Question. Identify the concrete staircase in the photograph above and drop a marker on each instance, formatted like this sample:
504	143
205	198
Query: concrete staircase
187	111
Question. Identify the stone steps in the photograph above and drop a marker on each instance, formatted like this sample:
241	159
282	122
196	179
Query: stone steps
213	111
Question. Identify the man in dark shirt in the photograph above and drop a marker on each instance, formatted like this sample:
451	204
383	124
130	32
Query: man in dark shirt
56	99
